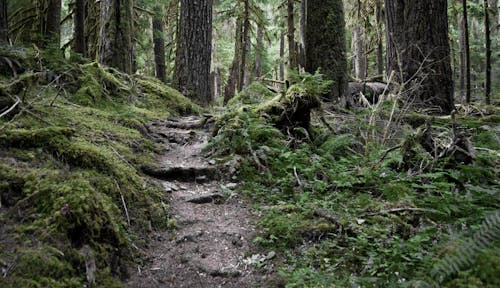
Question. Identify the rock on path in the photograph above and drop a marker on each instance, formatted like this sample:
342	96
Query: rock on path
214	230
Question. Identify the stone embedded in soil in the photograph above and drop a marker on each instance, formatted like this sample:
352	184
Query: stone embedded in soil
208	198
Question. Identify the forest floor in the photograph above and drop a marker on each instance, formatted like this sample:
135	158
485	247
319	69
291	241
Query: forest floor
211	244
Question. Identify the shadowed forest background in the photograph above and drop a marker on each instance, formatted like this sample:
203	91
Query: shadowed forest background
363	136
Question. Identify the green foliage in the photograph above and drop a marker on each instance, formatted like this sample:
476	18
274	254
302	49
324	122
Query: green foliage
69	175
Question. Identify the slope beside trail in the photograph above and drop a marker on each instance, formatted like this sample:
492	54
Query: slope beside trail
211	243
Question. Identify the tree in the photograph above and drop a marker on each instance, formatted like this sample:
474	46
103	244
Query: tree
325	42
488	52
79	37
116	34
194	43
159	46
52	31
467	52
4	24
380	48
418	51
292	54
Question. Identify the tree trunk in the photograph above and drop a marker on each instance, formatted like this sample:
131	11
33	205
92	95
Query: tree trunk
282	57
194	43
418	51
291	37
116	48
258	51
461	52
159	46
4	24
467	53
302	34
52	31
232	82
488	52
380	47
359	53
245	45
79	38
325	42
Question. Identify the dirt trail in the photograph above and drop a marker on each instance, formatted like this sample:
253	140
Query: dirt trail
211	245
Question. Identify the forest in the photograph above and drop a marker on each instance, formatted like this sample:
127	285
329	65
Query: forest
250	143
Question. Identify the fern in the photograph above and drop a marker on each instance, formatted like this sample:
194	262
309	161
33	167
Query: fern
466	254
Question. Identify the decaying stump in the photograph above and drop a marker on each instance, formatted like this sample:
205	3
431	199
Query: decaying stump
291	110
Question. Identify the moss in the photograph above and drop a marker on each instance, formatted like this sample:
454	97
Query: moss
254	93
25	138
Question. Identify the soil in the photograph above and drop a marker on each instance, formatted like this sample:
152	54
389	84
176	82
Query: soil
211	245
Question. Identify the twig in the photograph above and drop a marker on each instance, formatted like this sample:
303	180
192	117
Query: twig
11	108
124	203
297	176
395	210
387	153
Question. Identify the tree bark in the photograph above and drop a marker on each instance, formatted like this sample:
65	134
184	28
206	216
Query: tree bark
245	44
325	43
232	82
194	43
467	53
52	31
79	38
380	47
292	54
461	52
116	48
488	52
418	51
302	34
159	46
282	57
4	24
258	51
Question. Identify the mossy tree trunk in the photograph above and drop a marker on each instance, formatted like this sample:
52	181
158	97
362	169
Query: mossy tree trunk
4	24
245	44
487	89
194	44
258	51
380	46
116	48
79	20
292	54
466	52
159	45
302	34
52	31
418	51
325	42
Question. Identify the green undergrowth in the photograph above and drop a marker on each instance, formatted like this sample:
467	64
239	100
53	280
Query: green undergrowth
343	210
72	196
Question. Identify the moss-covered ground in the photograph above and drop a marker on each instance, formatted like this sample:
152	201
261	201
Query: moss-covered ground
74	206
343	209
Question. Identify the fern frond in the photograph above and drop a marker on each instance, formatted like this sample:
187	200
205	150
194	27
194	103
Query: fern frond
466	254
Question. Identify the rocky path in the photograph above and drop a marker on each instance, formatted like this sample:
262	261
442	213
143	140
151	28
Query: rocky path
212	242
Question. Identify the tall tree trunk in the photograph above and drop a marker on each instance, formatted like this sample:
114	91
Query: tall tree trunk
258	51
418	51
79	38
461	52
380	46
359	47
194	43
302	34
52	31
159	46
245	45
325	42
291	36
488	52
116	48
282	57
4	24
467	53
232	82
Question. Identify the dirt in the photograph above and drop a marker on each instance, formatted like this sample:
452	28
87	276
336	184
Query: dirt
211	245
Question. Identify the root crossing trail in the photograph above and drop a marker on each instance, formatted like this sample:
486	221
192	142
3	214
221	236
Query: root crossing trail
214	227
